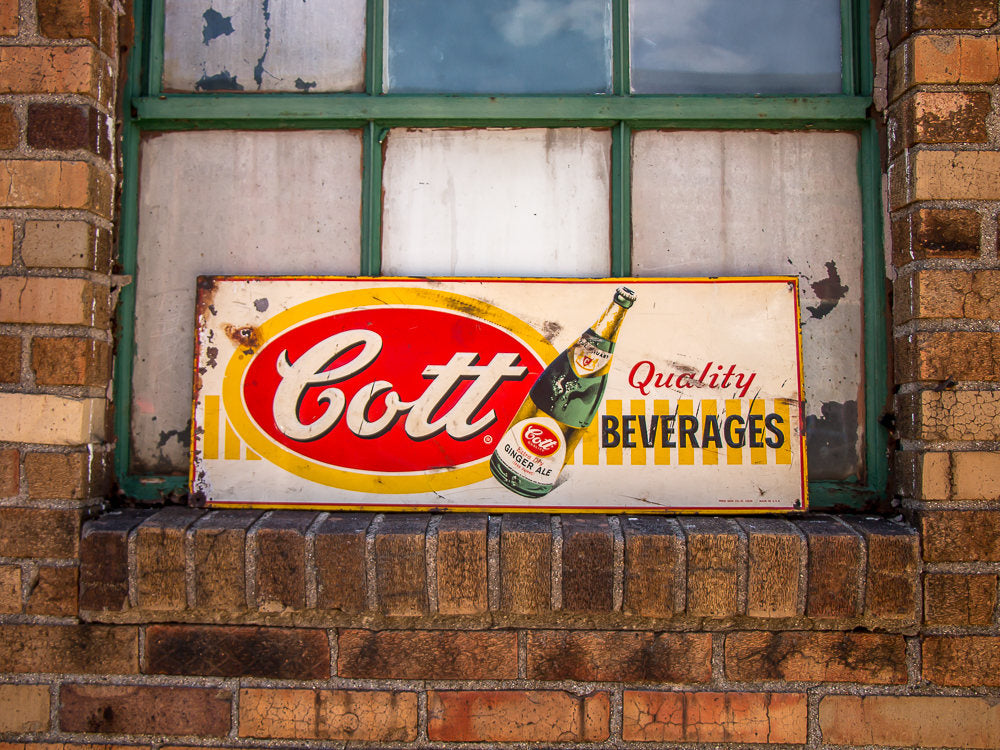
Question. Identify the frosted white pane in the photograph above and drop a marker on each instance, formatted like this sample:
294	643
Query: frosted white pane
497	203
498	46
726	47
268	45
227	202
743	204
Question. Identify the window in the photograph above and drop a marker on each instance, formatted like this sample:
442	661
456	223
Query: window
515	137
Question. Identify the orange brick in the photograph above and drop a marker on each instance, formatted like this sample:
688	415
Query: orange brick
53	301
82	649
6	231
954	416
940	356
954	599
935	233
10	590
963	661
909	721
10	472
960	535
951	294
10	359
70	361
427	654
78	19
954	59
9	20
54	70
955	175
58	475
361	715
54	592
24	708
145	709
778	718
55	184
517	716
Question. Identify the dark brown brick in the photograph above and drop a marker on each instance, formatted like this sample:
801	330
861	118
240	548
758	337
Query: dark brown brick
53	591
492	716
279	653
587	564
964	661
10	472
907	16
10	128
427	654
938	356
104	560
10	359
341	570
72	649
39	533
941	117
833	587
68	127
525	564
58	475
161	563
936	233
892	586
775	550
145	709
958	599
281	560
219	548
960	536
400	564
593	656
79	19
70	361
461	564
812	656
655	564
716	561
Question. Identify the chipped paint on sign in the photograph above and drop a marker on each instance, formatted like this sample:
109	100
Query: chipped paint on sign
473	394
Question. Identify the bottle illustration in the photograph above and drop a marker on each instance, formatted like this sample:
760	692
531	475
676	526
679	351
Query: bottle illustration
560	406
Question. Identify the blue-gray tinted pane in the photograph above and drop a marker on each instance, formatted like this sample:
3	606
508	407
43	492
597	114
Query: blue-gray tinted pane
498	46
735	46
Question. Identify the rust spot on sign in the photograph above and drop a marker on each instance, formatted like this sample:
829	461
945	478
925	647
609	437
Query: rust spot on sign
244	336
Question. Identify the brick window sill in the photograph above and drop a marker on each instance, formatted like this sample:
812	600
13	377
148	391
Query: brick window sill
816	572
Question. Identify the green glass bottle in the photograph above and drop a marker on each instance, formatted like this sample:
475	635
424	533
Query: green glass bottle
560	406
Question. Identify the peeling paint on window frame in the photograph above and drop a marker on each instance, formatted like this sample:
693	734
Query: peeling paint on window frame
149	109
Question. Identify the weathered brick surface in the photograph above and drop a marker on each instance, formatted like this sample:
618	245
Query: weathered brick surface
959	599
11	597
10	472
401	565
952	294
70	361
160	559
53	591
816	657
655	561
909	721
341	570
58	475
66	244
363	716
587	569
907	16
220	559
52	420
892	577
955	416
55	184
975	475
960	535
78	19
24	708
941	117
936	233
203	712
833	583
955	175
34	532
67	127
461	564
716	558
775	551
952	58
9	20
525	563
281	653
104	560
71	649
281	560
966	661
612	656
427	654
10	359
949	356
774	718
517	716
56	301
53	70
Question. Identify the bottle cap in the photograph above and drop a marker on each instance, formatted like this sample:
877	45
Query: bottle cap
624	297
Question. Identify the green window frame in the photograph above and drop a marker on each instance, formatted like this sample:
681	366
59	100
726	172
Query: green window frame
147	108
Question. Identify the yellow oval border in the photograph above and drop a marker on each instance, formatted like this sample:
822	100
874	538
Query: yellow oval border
313	471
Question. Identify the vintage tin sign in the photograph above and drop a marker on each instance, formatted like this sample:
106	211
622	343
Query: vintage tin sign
513	395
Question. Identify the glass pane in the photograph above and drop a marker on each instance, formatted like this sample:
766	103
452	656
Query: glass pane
227	202
742	204
274	45
499	46
497	203
745	47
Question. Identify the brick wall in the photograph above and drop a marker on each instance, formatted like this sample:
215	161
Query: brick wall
181	627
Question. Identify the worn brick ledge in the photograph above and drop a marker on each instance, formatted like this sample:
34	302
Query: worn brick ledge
475	571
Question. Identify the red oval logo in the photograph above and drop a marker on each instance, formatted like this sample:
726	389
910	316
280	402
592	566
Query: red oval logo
539	439
389	389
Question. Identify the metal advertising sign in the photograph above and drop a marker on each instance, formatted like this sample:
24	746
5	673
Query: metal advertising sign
512	395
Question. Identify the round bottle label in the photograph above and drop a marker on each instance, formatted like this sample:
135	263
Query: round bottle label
533	449
587	358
